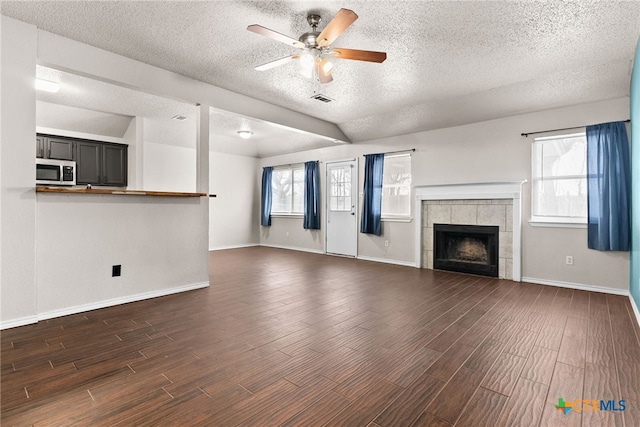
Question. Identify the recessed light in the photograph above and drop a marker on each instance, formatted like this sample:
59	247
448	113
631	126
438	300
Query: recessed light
245	134
47	86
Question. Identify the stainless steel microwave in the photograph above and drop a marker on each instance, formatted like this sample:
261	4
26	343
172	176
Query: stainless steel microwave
55	172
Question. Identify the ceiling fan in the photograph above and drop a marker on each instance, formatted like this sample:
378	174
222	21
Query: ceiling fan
316	46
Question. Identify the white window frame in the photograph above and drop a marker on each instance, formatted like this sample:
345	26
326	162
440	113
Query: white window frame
399	218
552	221
291	168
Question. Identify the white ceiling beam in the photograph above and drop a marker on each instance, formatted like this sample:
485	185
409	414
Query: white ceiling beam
78	58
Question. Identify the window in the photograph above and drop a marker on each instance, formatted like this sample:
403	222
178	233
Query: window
396	186
287	185
340	189
559	175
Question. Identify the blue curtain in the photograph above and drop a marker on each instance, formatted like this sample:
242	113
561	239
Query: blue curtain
372	201
311	196
608	187
265	201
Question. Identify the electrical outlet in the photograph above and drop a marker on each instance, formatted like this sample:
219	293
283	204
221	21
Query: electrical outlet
116	270
287	234
569	260
386	243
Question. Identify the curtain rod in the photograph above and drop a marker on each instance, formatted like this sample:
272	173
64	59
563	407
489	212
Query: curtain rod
292	164
395	152
526	134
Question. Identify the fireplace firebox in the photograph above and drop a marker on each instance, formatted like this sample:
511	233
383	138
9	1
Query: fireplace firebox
466	248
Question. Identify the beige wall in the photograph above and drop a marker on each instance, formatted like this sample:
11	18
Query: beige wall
234	212
158	241
17	170
492	151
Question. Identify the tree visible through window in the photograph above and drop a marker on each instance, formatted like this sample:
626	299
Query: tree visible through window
559	175
396	186
287	185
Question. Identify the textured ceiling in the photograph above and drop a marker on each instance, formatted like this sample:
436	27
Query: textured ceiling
449	63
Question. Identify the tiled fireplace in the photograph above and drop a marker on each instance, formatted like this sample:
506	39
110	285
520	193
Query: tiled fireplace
486	204
466	248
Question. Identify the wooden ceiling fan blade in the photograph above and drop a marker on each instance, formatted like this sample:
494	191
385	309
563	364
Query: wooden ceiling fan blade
338	24
358	55
277	62
263	31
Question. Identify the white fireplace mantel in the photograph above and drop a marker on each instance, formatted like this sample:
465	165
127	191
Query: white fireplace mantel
475	191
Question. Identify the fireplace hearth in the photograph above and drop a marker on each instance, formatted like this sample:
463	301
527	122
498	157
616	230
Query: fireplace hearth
466	248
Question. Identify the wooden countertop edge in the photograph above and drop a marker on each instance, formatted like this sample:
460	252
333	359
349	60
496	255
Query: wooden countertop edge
118	192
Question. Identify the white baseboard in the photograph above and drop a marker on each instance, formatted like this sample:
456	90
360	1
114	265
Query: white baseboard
101	304
387	261
636	311
293	248
246	245
579	286
18	322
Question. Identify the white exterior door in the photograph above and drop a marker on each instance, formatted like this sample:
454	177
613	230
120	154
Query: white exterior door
342	191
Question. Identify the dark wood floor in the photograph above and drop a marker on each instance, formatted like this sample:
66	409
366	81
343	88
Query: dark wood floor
290	338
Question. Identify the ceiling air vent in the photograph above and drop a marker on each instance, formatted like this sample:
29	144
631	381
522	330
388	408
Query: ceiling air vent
321	97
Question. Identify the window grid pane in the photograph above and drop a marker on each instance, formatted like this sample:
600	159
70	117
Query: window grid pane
396	186
281	187
340	196
559	178
298	191
287	185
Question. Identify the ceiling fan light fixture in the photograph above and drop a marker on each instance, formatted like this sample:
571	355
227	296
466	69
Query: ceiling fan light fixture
307	60
245	134
326	65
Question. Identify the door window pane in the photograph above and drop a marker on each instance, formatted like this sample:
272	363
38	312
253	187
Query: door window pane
340	187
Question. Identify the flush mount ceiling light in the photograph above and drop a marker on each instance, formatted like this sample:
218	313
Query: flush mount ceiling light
245	134
47	86
179	117
317	46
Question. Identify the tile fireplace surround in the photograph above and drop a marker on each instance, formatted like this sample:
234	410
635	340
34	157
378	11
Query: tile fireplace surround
495	203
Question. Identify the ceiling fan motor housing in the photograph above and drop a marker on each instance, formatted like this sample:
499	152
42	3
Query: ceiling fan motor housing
310	39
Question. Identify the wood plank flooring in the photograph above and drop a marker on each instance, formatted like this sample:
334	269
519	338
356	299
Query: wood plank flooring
284	338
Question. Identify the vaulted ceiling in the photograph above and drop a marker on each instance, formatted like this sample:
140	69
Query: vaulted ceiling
448	63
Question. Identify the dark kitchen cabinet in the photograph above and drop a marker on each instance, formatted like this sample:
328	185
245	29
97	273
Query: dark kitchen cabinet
97	163
114	165
88	163
101	163
54	148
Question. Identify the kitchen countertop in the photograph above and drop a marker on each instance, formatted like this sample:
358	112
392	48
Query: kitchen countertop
40	189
